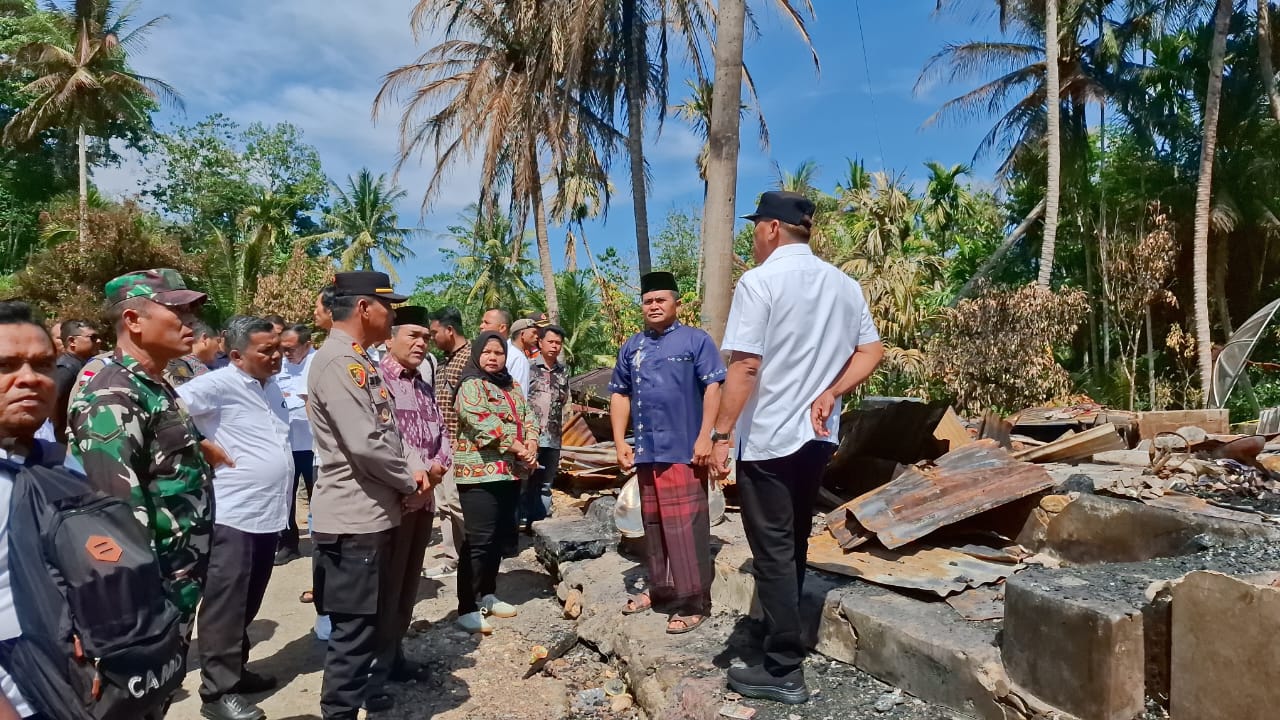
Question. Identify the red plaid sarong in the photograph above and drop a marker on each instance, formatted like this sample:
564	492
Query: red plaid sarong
677	532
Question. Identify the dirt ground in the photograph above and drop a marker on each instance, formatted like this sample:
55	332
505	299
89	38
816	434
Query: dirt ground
471	677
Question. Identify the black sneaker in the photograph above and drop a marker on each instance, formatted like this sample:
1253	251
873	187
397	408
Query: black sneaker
286	555
251	683
379	702
408	671
756	682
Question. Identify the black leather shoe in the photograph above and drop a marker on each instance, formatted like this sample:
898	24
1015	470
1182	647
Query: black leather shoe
756	682
231	707
379	702
408	671
251	683
286	555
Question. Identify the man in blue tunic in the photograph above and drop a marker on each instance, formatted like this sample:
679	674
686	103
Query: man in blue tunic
667	380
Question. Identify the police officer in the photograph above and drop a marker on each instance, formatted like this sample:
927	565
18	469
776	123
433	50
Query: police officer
364	481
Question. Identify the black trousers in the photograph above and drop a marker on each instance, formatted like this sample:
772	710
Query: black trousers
350	575
489	514
777	512
303	468
395	612
535	491
240	566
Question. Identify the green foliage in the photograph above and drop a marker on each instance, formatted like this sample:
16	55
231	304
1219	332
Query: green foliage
676	248
364	219
207	174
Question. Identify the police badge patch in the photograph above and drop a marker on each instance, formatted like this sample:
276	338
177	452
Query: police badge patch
357	374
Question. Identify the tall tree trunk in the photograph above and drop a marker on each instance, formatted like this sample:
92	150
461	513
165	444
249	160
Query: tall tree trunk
1053	137
1204	190
83	216
1151	364
635	92
702	245
544	246
722	167
1264	58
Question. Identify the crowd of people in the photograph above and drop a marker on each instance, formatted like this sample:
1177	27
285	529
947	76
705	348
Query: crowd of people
189	446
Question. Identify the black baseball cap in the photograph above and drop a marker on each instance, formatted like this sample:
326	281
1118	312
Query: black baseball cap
788	207
366	282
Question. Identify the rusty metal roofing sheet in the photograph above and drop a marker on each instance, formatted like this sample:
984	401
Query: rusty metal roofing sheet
936	570
958	485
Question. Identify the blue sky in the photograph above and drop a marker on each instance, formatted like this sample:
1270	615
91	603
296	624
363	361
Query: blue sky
318	64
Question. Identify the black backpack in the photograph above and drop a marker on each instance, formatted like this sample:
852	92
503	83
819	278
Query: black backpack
101	640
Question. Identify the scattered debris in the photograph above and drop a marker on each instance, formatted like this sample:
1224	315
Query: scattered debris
737	711
889	701
930	569
958	485
1076	447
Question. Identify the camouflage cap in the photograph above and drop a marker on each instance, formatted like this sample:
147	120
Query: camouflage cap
161	285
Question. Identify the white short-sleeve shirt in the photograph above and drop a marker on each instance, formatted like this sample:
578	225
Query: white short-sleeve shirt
293	383
251	422
804	318
518	366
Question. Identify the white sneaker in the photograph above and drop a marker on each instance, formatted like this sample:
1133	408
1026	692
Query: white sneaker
474	622
491	605
323	627
440	571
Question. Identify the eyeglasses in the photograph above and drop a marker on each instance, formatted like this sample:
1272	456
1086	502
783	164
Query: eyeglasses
92	337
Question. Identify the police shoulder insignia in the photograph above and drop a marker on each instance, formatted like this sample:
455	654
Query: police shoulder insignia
382	392
357	374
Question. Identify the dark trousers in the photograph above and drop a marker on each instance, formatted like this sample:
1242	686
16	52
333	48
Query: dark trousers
777	512
488	511
350	575
535	491
303	468
395	606
239	568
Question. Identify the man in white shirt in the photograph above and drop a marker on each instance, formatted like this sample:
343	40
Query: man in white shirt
801	336
242	409
499	321
295	344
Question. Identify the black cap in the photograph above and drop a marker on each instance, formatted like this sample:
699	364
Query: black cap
412	315
654	281
366	282
539	319
788	207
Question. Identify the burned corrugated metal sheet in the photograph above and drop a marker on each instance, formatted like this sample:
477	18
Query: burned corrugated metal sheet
960	484
936	570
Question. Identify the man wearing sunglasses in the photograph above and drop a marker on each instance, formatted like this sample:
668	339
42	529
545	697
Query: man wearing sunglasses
80	342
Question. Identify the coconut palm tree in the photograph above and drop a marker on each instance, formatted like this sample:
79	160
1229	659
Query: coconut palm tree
365	220
82	81
1204	190
497	88
1053	140
490	258
1264	58
723	141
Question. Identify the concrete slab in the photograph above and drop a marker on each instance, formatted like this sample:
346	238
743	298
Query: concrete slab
1097	529
1224	650
1081	653
1073	636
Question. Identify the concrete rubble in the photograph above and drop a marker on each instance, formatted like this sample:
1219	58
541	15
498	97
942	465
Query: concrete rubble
1059	540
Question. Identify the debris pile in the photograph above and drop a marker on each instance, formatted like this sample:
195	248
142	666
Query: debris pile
924	501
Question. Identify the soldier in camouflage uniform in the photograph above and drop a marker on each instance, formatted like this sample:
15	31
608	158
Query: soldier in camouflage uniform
133	437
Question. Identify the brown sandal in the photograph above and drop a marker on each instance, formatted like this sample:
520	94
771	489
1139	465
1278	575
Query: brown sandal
638	604
690	622
307	597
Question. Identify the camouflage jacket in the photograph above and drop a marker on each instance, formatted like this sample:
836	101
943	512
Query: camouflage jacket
138	443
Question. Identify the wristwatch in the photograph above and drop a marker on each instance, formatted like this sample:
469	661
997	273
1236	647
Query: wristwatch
717	436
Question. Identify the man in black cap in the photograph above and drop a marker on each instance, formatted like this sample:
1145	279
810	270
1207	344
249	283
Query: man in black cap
667	380
801	335
366	479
